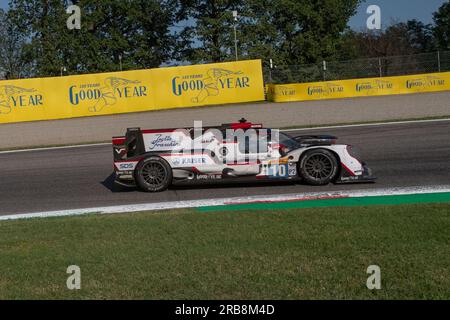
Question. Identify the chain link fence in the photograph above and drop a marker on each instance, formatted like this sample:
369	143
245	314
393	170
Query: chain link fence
360	68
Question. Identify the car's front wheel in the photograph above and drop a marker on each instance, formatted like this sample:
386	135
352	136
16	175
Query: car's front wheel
153	174
318	167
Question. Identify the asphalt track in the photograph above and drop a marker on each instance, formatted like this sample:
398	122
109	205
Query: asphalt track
275	115
401	155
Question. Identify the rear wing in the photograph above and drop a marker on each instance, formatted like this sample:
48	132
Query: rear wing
129	146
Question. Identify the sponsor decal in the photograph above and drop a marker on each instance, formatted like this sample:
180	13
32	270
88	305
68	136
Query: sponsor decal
18	97
425	82
124	166
292	169
106	94
125	173
161	142
208	176
120	150
284	160
350	178
325	90
373	86
188	161
208	140
210	84
283	91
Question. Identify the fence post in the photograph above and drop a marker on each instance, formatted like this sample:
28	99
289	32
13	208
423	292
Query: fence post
439	60
379	67
270	71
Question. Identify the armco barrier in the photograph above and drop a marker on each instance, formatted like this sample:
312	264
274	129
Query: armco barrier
359	87
130	91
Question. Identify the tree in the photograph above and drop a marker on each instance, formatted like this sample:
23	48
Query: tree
288	31
398	45
295	32
209	37
14	62
398	39
134	32
442	26
420	36
43	24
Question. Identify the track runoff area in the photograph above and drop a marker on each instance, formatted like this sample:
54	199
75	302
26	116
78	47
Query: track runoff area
348	198
393	196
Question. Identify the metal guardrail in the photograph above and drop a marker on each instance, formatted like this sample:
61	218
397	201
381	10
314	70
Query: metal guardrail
360	68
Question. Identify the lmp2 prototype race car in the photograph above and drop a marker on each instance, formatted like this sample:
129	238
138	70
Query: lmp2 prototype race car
155	159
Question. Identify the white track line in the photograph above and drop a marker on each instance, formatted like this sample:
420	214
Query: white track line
57	148
284	130
224	201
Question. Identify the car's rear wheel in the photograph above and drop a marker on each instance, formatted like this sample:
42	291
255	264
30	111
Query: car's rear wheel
153	174
318	167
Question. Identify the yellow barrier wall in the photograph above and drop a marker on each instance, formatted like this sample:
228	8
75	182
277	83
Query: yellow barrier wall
130	91
359	87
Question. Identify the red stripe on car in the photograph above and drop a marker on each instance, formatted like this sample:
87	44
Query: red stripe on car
118	141
348	170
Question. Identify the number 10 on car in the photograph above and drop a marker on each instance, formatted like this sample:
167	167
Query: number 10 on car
276	170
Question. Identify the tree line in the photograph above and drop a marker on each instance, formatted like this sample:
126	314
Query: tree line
135	34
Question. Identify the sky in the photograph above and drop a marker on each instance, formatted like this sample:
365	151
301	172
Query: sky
391	10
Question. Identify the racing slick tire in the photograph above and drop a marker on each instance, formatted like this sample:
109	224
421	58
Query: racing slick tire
318	167
153	174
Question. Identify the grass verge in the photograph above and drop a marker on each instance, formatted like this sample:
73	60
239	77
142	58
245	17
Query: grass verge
317	253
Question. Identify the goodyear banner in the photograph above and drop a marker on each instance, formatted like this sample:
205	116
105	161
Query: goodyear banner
130	91
359	87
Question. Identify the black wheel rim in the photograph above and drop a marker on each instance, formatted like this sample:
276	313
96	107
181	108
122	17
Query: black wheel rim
154	174
319	167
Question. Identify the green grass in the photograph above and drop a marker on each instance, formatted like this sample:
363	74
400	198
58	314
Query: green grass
319	253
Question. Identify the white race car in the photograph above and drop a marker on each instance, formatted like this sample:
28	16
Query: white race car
235	152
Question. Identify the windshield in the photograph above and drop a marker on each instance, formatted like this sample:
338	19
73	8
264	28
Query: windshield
288	141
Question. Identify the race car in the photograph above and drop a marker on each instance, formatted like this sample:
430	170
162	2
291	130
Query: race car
155	159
